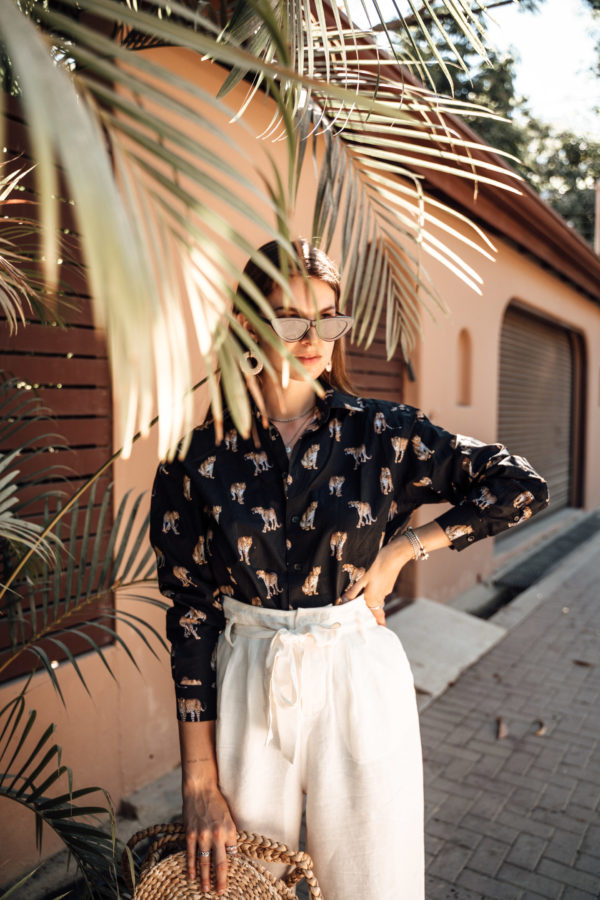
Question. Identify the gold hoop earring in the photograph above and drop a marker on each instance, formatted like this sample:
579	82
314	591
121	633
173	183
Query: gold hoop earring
251	364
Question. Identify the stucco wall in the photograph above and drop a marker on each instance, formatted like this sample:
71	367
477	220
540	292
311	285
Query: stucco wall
512	277
125	734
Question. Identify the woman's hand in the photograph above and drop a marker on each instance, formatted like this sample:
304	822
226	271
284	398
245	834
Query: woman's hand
208	826
379	580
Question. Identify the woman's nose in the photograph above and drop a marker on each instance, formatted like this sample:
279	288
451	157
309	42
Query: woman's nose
311	335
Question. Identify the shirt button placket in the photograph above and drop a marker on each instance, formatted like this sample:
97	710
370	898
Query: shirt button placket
295	567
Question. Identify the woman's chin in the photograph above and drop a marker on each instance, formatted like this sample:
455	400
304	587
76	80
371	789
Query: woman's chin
314	369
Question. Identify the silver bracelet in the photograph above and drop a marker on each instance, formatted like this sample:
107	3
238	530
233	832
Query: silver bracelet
417	547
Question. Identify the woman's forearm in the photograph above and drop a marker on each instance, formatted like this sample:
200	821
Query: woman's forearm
198	757
209	827
432	537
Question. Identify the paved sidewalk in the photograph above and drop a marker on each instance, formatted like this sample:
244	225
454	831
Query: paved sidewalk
517	817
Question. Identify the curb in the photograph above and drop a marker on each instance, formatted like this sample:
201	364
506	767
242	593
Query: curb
518	609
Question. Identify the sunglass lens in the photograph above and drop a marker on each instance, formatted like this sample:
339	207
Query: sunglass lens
289	329
330	329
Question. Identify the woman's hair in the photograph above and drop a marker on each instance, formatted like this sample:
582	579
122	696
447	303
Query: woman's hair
313	263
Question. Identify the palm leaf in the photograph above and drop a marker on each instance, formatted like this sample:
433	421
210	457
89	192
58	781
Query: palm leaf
295	54
92	572
376	157
19	409
372	164
19	884
16	292
258	26
87	830
113	236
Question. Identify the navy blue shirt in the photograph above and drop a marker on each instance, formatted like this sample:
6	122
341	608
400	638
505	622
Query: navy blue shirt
286	530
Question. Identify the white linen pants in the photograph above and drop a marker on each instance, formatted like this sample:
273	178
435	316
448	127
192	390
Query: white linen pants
321	702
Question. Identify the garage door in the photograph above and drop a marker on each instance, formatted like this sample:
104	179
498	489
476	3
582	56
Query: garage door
537	397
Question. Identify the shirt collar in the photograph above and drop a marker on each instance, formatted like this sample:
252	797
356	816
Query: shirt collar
332	399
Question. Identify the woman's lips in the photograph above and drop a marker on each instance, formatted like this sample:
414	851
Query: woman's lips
309	359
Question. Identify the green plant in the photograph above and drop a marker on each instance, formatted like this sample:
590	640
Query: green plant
45	592
30	765
98	103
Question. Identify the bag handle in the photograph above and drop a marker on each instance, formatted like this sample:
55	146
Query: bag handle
254	845
261	847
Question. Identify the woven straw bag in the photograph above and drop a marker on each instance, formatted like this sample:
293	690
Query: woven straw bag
163	877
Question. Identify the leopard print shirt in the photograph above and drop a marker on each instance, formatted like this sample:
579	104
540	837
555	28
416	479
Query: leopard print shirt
286	530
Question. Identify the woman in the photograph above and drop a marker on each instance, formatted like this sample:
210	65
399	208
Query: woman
278	551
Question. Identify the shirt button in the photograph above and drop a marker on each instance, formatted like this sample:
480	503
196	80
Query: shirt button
297	567
295	519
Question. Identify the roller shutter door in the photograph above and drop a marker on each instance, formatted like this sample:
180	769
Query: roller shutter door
536	398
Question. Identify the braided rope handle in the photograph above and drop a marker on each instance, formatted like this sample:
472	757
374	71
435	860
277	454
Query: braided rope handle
261	847
254	845
164	834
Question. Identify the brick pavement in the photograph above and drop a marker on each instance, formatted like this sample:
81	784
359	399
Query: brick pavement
518	818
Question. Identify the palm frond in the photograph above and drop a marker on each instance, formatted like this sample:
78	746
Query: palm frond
18	885
42	612
261	26
20	409
116	237
33	771
387	213
376	161
78	86
15	289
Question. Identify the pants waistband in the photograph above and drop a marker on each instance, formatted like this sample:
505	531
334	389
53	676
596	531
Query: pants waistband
290	633
352	614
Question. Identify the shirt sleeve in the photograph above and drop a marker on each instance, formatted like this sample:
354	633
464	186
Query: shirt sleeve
490	489
195	619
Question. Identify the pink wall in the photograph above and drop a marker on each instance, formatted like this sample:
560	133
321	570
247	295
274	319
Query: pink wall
513	276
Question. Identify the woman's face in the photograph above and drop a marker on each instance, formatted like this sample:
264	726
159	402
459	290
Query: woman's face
311	351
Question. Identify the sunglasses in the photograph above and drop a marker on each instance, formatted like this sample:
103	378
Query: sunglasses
294	328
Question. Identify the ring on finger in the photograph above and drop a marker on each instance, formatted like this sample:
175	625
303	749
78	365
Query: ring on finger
204	852
231	849
376	607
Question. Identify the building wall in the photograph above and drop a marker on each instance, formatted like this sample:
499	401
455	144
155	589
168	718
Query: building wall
512	277
125	734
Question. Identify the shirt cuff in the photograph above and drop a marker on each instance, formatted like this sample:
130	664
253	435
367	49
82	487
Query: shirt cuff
462	526
193	707
194	670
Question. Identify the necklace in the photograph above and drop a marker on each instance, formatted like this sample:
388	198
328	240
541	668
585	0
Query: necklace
290	442
293	418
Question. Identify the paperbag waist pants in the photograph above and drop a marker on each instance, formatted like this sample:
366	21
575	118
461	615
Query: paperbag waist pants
320	702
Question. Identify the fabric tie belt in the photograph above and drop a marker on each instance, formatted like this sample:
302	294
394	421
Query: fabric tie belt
283	672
